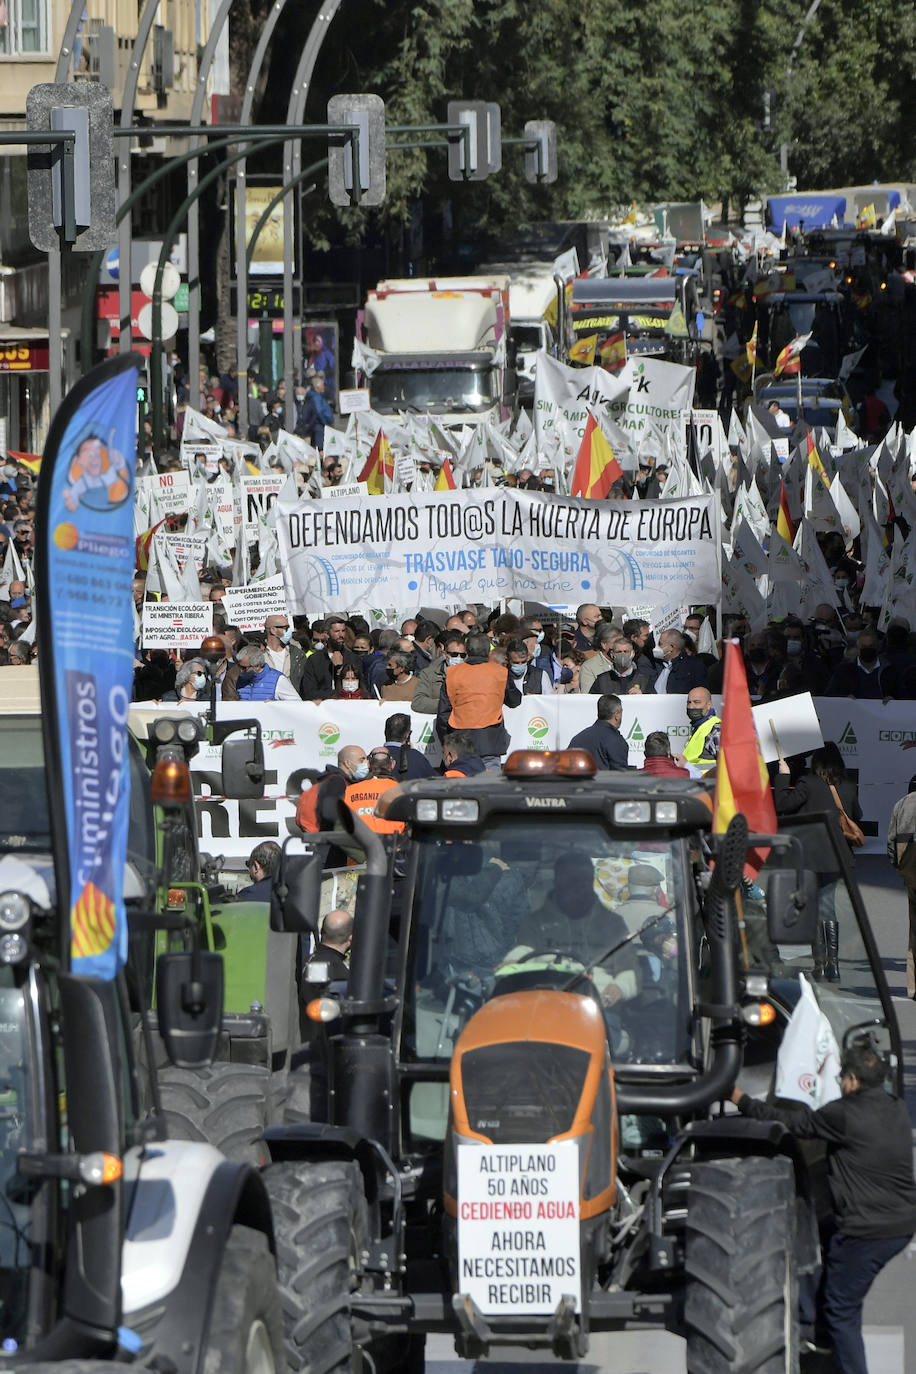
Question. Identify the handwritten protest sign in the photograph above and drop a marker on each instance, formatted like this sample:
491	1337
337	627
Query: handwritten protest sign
176	624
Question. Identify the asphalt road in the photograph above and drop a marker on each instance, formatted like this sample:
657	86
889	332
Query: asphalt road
890	1313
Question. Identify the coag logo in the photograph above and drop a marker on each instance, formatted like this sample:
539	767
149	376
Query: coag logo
329	737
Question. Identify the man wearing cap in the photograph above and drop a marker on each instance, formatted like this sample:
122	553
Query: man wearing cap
642	904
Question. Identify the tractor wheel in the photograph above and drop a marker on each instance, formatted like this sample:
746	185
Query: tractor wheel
224	1105
742	1287
320	1224
246	1325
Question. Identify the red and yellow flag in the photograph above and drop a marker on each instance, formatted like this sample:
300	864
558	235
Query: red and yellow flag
583	350
787	364
144	544
613	352
814	460
32	461
378	466
751	346
446	479
596	468
742	781
784	525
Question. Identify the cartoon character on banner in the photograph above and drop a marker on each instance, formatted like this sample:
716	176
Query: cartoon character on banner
98	475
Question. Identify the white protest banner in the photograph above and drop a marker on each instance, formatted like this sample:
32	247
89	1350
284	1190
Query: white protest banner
168	493
658	395
709	434
176	624
248	607
259	494
437	548
795	722
562	398
518	1226
356	398
222	507
308	735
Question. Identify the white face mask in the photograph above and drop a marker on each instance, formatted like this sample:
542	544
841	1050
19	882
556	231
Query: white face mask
198	682
286	635
658	652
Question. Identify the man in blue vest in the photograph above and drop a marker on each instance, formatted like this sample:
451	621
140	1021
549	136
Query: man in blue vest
258	681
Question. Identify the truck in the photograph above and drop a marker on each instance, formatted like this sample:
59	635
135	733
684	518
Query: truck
557	975
438	346
119	1243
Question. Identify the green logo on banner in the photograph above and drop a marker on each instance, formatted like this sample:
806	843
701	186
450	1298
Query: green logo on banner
538	727
848	737
635	732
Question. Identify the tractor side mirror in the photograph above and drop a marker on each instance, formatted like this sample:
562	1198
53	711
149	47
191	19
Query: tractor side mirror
243	767
792	906
295	897
189	999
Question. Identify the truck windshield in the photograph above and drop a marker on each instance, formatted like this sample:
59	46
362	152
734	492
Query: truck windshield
437	389
532	900
24	820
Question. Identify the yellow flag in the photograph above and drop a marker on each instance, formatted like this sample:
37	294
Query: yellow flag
583	350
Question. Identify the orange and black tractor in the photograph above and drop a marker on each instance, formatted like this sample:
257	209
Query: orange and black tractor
557	976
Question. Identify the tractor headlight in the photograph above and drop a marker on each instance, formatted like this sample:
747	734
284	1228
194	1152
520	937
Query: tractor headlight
461	809
13	948
15	910
632	812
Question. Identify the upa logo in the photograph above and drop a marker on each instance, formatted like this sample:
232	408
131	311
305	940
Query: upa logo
849	743
329	737
538	729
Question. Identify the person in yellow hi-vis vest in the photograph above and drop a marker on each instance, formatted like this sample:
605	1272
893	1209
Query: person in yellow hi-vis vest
702	749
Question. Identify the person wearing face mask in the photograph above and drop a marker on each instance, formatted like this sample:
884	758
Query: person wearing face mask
190	683
680	671
350	685
604	637
316	809
529	678
799	656
363	794
401	680
764	655
472	698
702	749
861	677
282	651
625	676
449	651
258	681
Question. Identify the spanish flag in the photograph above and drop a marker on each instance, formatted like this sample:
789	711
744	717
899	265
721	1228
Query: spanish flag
787	362
784	524
596	468
742	781
144	544
583	350
751	346
32	461
378	466
445	481
814	460
613	352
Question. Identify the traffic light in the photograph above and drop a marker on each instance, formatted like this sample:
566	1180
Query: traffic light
541	156
479	155
78	208
367	114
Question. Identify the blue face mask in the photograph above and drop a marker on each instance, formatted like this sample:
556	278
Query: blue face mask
17	601
519	669
361	771
286	635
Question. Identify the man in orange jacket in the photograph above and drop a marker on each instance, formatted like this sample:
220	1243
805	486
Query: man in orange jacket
472	699
363	797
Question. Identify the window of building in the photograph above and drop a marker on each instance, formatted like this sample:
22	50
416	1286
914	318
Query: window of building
24	27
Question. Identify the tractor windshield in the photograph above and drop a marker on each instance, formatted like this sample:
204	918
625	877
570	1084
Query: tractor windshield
16	1130
536	902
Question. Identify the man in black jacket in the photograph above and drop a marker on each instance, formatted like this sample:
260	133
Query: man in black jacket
870	1171
603	740
336	939
319	676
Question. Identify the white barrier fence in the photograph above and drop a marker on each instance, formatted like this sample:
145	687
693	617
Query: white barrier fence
301	735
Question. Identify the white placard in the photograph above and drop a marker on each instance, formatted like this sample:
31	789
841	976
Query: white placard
258	495
248	607
439	548
405	469
203	452
518	1226
170	490
186	546
796	723
710	435
357	398
344	489
176	624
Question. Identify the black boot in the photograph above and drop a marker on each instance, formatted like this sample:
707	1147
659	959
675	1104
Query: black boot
819	953
832	935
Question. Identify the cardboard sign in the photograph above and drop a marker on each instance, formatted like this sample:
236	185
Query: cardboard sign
248	607
518	1226
176	624
797	726
345	489
357	398
171	491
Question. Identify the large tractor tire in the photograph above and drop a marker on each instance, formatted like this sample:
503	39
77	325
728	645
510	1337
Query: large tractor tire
224	1105
742	1289
246	1324
320	1225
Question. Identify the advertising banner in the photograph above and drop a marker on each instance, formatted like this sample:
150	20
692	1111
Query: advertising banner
307	735
438	548
86	660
